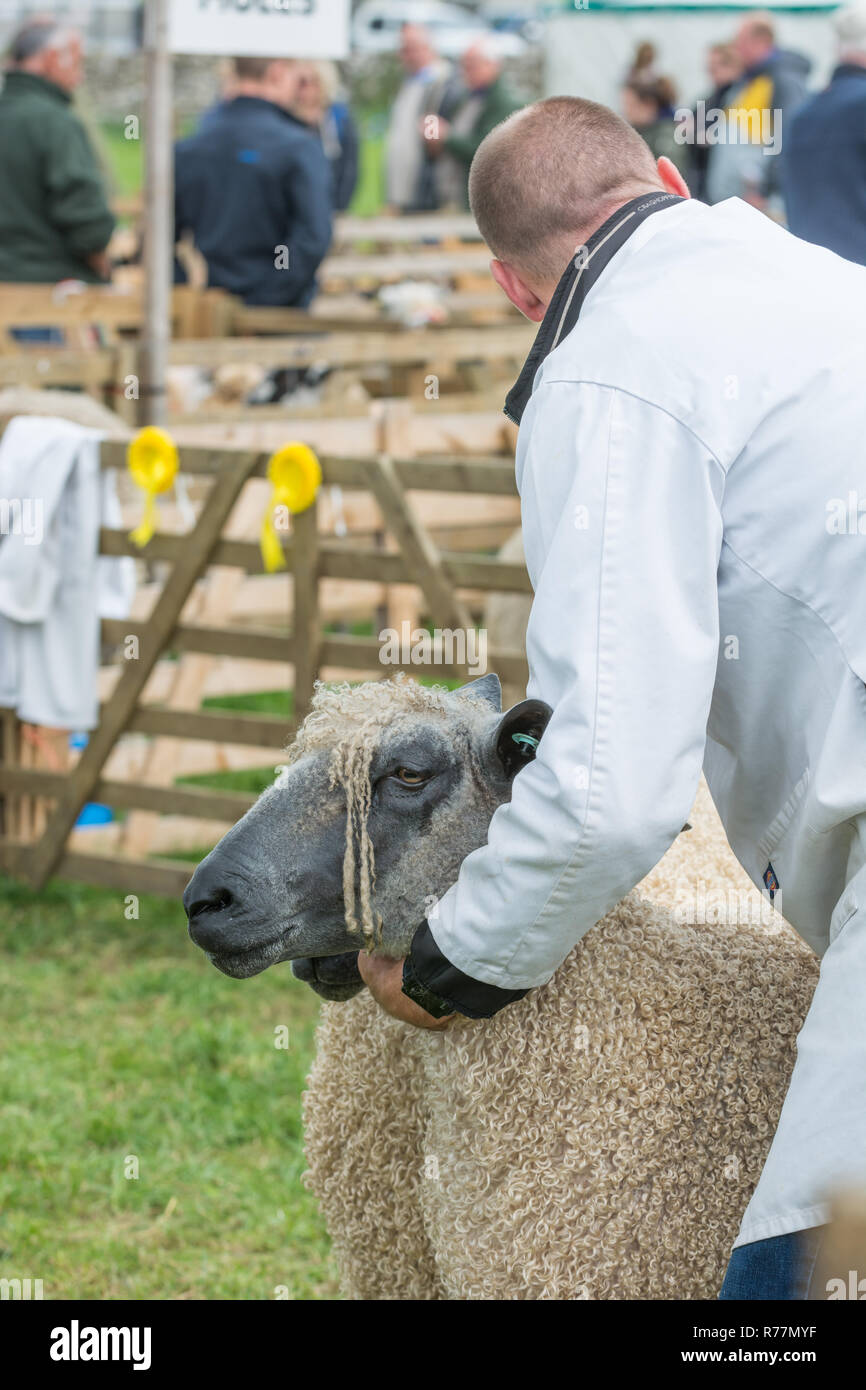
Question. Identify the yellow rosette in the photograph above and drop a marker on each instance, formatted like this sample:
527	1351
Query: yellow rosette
153	463
295	476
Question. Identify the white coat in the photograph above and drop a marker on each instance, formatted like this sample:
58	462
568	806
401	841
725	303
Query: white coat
54	586
692	472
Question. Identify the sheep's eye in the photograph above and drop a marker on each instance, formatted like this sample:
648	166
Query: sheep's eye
411	777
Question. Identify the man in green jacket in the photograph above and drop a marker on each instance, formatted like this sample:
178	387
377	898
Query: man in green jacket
488	101
55	222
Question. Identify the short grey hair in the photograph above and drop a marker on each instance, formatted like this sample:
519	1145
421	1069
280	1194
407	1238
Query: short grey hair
39	36
550	174
850	26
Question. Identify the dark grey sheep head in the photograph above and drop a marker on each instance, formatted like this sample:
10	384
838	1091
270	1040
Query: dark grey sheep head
416	773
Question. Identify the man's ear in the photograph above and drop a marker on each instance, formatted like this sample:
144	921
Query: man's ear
521	296
519	734
672	178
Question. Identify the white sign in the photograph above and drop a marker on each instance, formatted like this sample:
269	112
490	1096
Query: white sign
260	28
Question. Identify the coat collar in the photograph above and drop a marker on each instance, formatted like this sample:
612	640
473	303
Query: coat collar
848	70
15	82
581	274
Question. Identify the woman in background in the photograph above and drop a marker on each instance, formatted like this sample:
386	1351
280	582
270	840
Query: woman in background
648	104
723	69
316	102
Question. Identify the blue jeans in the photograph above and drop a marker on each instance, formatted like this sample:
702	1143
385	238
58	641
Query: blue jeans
38	335
781	1267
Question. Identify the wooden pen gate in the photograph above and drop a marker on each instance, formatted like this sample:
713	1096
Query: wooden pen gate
37	851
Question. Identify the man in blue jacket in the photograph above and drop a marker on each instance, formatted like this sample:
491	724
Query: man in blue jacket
824	156
253	186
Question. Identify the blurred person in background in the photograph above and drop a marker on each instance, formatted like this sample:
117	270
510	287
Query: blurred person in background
227	85
723	69
771	87
453	143
824	157
55	221
316	103
643	64
648	104
429	86
253	186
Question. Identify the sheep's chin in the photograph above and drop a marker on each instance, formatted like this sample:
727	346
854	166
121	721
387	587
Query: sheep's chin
241	965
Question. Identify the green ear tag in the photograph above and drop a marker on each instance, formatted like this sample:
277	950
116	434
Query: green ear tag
525	741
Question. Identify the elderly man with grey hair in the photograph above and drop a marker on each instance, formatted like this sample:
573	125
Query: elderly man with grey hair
429	85
55	222
488	100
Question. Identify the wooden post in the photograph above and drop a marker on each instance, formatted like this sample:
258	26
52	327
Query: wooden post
306	622
395	440
159	214
128	366
10	756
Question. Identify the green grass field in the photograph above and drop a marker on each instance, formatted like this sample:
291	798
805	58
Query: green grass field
123	1047
124	159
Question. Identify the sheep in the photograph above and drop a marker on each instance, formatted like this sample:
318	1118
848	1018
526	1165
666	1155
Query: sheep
598	1139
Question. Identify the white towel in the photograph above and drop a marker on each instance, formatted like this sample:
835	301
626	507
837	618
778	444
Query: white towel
53	585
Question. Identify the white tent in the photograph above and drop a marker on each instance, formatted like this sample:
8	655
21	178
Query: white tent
110	26
587	51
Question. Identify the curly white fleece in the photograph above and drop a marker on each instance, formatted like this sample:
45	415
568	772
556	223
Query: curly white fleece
599	1139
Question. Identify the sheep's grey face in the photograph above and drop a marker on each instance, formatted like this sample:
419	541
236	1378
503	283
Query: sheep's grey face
272	889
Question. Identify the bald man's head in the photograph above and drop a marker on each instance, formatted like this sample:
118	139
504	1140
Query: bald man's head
546	178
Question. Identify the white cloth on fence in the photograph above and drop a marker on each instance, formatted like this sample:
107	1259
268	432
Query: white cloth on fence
54	587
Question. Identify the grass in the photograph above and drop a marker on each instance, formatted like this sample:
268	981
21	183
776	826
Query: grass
278	704
369	194
124	159
254	780
123	1045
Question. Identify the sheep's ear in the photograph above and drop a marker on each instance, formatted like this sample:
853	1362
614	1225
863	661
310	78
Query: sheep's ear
485	688
519	734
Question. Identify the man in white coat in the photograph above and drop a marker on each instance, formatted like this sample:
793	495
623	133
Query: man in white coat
692	471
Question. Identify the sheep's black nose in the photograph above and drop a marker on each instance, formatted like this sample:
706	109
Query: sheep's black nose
206	901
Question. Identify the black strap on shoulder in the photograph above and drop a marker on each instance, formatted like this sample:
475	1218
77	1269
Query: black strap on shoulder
578	279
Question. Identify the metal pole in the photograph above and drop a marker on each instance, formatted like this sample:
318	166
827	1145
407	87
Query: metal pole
158	212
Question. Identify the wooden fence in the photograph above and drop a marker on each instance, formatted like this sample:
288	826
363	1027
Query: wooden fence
36	849
366	254
106	371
